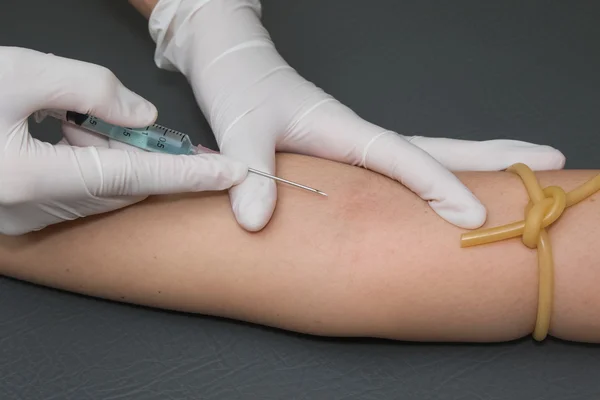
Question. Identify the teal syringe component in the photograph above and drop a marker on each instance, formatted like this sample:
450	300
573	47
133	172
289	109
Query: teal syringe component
155	138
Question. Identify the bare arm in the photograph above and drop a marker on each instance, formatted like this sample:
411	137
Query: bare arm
370	260
144	7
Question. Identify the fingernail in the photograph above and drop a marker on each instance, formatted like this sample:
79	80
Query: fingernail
253	209
251	215
146	111
466	216
142	111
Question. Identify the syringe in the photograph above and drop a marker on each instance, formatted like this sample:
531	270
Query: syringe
155	138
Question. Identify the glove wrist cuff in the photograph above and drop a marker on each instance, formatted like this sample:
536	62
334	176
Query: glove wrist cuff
190	34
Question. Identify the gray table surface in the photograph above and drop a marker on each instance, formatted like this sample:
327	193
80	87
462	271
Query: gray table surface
476	70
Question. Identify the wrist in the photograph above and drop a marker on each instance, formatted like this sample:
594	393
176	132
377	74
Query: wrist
144	7
192	34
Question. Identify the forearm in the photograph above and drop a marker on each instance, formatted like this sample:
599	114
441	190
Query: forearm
370	260
144	7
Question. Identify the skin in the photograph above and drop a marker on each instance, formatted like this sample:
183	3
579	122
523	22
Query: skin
372	259
144	7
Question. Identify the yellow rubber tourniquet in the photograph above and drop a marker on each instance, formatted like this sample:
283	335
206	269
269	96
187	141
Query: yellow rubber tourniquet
545	207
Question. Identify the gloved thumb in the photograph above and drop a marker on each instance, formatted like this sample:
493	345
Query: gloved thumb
67	84
253	201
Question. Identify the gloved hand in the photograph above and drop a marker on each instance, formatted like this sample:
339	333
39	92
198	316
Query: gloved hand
43	184
257	104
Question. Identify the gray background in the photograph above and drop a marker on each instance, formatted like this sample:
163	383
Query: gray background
477	70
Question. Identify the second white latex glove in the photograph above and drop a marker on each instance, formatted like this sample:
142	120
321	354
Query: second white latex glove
257	104
42	184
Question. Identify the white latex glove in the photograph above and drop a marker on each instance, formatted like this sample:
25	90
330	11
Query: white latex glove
257	104
43	184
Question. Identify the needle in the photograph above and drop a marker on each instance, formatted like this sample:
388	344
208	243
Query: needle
286	181
202	149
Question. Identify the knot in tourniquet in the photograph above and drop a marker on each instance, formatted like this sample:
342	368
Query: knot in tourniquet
544	208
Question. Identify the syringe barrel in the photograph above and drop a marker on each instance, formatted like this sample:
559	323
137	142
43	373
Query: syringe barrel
155	138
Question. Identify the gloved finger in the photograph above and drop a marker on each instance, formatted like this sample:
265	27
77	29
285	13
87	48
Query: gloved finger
81	137
335	132
21	220
64	173
393	156
112	172
253	200
489	155
67	84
